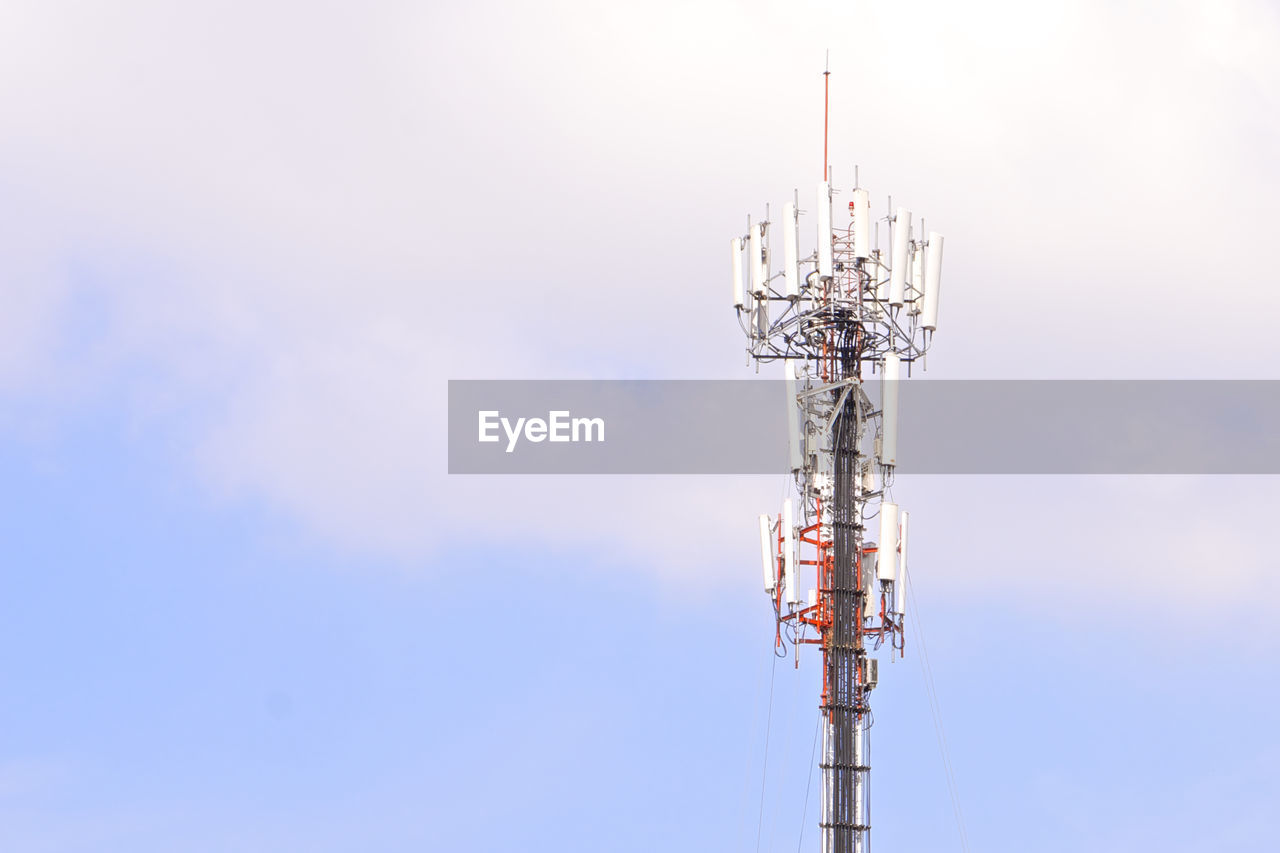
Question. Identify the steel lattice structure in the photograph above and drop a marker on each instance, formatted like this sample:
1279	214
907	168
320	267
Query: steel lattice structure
836	318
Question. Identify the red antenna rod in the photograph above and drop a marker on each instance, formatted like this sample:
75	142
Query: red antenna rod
826	106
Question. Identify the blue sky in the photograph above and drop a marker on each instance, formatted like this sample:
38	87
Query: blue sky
244	246
191	674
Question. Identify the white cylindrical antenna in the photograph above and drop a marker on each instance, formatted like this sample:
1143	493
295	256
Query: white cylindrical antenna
861	224
768	558
791	249
900	585
735	247
932	281
793	422
917	277
889	409
887	563
757	259
901	260
826	259
789	571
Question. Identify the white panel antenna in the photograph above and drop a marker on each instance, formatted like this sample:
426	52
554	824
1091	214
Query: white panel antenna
917	276
871	583
826	256
900	262
768	559
933	280
791	249
793	413
887	564
789	554
900	585
861	205
889	409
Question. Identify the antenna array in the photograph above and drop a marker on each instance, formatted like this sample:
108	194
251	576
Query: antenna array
854	307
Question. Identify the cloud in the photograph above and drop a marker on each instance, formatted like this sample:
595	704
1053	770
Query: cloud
1180	549
276	231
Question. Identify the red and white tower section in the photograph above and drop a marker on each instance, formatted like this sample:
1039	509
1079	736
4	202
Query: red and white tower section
862	306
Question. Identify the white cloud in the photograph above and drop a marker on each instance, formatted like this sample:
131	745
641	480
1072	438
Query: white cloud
1100	548
303	220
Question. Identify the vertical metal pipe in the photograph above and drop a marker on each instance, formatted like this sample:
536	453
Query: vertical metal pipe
845	652
859	797
827	788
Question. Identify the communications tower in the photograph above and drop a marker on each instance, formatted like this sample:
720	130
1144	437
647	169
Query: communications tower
863	303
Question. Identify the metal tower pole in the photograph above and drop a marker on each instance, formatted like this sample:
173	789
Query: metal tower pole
850	307
844	646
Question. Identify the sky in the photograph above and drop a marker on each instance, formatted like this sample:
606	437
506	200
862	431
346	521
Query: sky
244	246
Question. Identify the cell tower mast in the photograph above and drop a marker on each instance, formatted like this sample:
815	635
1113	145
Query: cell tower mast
835	317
